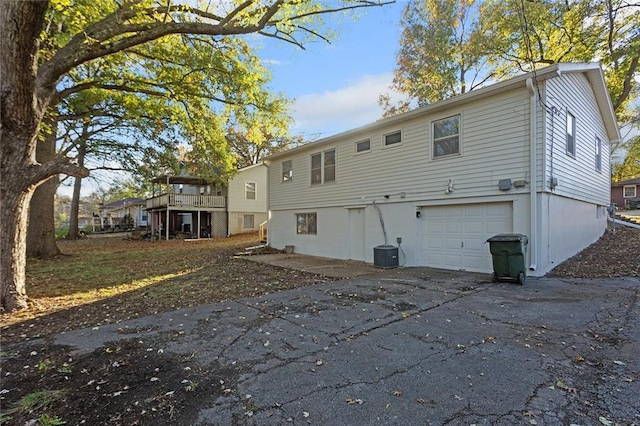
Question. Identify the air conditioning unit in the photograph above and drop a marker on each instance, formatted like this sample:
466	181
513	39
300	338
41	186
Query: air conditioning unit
385	257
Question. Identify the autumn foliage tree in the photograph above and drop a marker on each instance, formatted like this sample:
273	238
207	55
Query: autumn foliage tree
29	81
446	45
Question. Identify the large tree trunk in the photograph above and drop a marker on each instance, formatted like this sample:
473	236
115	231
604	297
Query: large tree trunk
41	237
74	233
20	25
22	106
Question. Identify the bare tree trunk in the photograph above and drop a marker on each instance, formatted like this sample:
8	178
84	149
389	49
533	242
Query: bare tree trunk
13	233
75	199
20	122
41	238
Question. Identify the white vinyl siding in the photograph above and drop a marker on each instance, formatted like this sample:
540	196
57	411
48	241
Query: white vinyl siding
498	124
576	176
237	203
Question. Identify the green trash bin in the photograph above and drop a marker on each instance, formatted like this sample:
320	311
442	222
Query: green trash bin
508	252
633	205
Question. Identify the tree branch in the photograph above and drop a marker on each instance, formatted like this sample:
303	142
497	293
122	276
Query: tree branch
42	172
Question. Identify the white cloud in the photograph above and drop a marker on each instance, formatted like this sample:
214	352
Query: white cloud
343	109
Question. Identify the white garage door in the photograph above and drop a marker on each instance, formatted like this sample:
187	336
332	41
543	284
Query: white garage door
453	236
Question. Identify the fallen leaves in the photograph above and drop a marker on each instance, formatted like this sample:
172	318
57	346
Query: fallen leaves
564	387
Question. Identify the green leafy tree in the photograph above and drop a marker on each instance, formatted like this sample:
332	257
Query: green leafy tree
32	71
630	167
526	35
441	52
442	41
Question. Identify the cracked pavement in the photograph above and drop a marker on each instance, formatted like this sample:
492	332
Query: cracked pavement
418	347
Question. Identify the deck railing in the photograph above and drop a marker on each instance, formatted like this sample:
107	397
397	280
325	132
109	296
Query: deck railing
263	232
187	200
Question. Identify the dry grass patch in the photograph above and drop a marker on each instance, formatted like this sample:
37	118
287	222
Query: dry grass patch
101	281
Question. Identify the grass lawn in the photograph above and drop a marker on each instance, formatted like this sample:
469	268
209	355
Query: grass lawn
100	281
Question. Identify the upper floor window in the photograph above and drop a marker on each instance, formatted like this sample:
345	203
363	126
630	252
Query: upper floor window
629	191
363	146
392	138
323	167
287	171
571	135
598	154
250	190
446	136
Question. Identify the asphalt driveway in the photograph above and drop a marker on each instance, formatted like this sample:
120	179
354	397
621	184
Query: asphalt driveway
409	347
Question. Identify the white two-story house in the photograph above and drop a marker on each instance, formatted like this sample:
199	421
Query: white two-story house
529	155
190	207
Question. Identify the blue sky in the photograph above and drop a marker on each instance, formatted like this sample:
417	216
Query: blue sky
336	86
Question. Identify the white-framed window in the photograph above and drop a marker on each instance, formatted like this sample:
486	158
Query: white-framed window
394	138
250	190
446	136
287	171
247	221
629	191
363	146
323	167
598	154
306	223
571	135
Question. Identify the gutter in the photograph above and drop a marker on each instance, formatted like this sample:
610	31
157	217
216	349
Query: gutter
533	188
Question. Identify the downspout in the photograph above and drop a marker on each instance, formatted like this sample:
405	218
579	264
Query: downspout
533	188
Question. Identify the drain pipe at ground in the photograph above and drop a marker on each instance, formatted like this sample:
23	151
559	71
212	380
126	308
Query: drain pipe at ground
533	187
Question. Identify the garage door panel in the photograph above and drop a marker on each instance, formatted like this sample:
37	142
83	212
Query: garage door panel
473	210
435	243
452	261
435	226
497	209
434	258
453	236
475	244
452	243
453	227
474	227
496	227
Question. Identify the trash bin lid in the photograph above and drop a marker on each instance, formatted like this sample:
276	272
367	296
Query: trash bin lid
509	237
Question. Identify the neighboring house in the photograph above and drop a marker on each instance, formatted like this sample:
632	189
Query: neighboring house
528	155
190	207
626	194
112	214
247	199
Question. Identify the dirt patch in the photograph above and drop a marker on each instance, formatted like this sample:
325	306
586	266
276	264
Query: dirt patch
615	254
